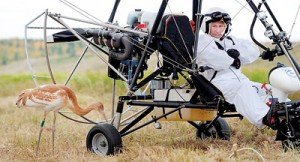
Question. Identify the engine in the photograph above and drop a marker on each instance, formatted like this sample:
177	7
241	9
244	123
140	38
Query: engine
124	48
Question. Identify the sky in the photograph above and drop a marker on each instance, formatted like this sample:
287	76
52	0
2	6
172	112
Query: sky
15	14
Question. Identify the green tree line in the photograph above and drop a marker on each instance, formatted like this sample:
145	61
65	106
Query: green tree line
14	49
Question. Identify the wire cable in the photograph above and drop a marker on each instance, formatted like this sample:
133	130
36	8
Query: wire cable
294	23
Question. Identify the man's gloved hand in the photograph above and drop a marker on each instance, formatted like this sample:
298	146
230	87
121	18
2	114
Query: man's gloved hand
236	63
233	53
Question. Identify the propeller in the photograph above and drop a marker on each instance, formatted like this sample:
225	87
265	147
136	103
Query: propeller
68	36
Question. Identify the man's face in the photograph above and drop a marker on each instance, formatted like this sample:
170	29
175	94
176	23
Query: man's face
217	28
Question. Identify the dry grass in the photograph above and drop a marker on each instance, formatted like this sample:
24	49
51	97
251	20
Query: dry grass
176	141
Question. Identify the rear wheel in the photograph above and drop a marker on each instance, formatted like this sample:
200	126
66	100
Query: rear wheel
291	144
104	139
289	134
218	130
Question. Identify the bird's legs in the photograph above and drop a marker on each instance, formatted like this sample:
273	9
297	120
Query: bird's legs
53	130
40	133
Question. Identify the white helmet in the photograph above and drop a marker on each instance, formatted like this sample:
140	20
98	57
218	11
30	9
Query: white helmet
215	14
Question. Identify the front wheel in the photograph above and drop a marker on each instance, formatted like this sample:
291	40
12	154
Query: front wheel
218	130
104	139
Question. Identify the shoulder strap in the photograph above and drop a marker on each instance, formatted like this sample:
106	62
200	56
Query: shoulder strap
214	75
219	45
221	48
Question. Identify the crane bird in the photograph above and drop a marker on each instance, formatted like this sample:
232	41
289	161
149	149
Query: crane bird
53	97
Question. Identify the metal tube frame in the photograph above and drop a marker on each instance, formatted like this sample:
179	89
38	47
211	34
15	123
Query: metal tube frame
34	77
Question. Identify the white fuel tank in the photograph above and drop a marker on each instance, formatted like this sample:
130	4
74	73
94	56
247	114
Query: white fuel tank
284	79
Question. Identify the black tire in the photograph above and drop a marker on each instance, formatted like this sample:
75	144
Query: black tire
289	134
287	145
218	130
104	139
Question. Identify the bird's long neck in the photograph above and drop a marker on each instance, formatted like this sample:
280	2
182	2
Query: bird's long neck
82	111
74	106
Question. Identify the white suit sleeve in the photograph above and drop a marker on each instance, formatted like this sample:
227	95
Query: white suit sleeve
208	54
249	52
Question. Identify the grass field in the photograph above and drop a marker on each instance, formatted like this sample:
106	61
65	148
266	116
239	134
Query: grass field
176	141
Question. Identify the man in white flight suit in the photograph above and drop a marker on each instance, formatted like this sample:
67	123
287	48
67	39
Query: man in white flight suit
220	57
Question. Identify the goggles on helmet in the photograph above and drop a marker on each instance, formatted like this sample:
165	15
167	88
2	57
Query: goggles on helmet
218	16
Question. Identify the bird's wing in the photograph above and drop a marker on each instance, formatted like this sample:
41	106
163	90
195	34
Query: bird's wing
48	99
